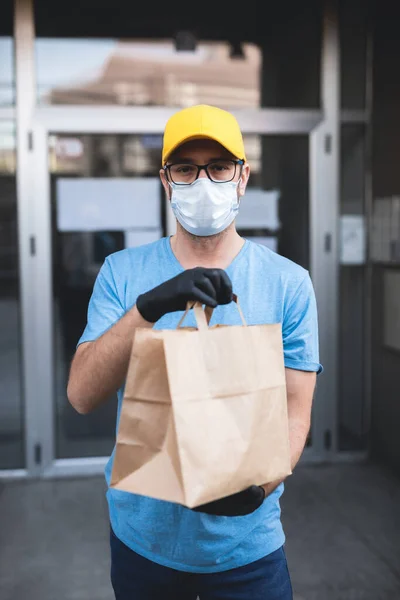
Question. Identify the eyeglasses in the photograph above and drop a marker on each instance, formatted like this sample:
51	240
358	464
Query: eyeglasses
219	171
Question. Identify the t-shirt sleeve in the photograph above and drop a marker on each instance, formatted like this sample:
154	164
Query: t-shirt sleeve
300	329
105	307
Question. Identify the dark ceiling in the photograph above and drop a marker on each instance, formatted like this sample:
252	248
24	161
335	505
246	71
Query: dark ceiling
248	21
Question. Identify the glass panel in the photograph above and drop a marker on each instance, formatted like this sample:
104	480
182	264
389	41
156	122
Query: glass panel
80	246
7	97
11	415
353	432
275	209
279	165
274	213
146	73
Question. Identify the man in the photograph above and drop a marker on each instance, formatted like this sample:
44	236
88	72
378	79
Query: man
232	548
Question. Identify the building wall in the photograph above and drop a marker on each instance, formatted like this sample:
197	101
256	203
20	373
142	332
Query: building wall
386	182
296	83
352	425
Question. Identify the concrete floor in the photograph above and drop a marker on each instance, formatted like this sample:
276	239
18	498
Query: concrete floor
342	525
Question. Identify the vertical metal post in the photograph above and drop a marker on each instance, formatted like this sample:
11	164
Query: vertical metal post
324	211
25	103
369	205
44	306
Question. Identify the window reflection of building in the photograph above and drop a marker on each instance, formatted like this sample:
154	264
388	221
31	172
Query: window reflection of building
136	73
127	74
154	74
121	155
7	147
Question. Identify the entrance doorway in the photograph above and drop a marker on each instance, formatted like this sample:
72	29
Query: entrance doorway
96	191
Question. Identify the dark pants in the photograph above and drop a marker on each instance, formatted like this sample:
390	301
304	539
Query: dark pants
136	578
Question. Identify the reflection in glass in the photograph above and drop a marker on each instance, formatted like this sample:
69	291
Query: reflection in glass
105	155
7	97
146	73
11	428
7	148
274	212
275	209
77	258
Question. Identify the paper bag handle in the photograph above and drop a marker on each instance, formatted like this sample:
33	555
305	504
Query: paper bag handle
236	301
203	316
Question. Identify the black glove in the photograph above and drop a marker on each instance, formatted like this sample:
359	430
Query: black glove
208	286
237	505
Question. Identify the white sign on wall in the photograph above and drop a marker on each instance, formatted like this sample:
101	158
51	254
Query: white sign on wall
268	241
259	209
112	204
352	246
135	238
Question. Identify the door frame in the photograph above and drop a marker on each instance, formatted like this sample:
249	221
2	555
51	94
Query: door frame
39	336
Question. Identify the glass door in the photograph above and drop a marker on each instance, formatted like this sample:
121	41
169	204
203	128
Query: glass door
12	451
105	196
97	191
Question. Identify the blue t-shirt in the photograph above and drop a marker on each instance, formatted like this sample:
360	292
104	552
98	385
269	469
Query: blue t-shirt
271	289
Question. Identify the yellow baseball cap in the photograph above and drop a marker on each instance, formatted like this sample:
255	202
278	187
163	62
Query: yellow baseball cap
203	121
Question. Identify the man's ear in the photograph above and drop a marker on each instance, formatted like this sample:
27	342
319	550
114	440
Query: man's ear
243	180
166	186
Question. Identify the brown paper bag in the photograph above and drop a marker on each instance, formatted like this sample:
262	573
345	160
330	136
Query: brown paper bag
204	414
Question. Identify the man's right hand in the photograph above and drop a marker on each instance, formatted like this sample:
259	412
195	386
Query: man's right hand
208	286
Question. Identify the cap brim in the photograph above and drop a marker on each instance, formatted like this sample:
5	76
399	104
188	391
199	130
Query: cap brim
200	136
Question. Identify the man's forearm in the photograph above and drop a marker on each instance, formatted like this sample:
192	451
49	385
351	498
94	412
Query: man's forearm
99	369
300	387
298	432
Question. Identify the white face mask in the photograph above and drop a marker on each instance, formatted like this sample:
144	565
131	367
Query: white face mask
205	208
